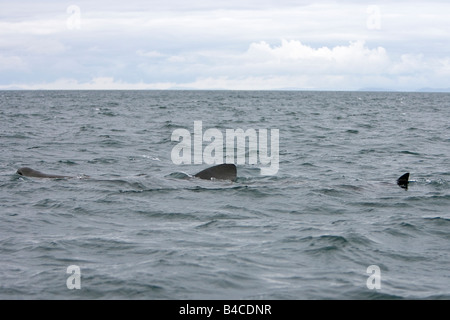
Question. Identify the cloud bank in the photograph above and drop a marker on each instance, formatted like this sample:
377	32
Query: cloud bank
225	45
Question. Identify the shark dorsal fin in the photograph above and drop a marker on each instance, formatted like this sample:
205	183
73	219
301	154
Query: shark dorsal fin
403	181
221	172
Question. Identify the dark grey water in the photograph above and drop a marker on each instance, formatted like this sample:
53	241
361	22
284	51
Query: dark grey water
138	231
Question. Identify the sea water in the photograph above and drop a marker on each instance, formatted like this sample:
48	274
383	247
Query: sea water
331	223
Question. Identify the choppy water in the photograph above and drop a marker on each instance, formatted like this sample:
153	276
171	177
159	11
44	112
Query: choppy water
138	231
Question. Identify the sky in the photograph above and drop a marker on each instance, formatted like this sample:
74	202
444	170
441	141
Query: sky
225	44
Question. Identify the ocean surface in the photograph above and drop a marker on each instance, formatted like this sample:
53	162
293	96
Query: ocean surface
136	228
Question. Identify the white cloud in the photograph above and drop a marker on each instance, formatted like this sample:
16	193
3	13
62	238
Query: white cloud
409	64
226	44
353	58
150	54
98	83
290	64
444	67
11	63
35	27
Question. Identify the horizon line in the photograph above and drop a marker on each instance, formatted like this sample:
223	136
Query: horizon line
423	90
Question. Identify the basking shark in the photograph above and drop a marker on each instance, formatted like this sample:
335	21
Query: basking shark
224	171
403	181
28	172
218	172
221	172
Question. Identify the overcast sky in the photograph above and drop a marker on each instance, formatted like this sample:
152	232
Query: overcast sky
224	44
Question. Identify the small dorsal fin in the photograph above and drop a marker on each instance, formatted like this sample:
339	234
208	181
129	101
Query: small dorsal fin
403	181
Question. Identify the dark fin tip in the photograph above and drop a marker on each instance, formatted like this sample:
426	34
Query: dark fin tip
403	181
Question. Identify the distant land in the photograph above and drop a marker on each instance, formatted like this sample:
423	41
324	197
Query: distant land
434	90
417	90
